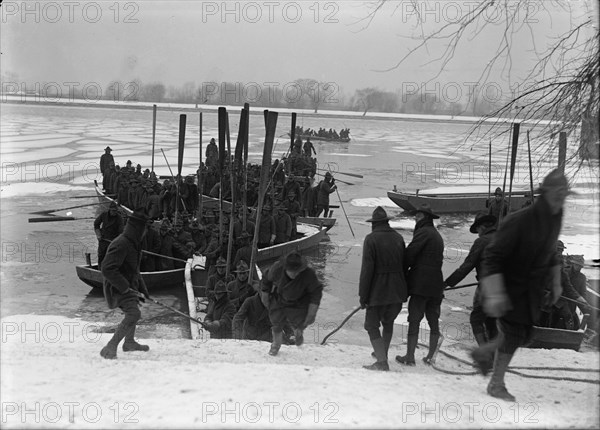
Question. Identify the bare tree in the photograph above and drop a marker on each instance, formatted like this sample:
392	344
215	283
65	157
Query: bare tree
558	94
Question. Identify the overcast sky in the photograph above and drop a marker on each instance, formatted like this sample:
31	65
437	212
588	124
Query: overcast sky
279	41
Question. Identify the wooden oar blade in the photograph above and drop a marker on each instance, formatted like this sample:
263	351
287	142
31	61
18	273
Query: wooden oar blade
56	218
182	121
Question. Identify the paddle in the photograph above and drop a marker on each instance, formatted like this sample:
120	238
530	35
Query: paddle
343	209
64	209
57	218
356	175
182	121
153	133
338	180
91	197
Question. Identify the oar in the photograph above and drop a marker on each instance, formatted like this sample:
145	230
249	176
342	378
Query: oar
177	311
64	209
340	326
153	134
182	122
356	175
339	180
163	256
91	197
580	304
462	286
57	218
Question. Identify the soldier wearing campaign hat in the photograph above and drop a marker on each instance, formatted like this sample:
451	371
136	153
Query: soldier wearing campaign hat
124	287
484	327
105	160
424	258
382	287
219	313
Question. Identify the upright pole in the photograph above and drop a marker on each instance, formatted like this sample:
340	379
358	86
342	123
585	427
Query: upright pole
222	130
513	158
264	179
490	171
233	199
246	137
200	178
153	133
530	168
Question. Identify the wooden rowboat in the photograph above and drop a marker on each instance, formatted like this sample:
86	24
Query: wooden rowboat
162	280
326	223
449	202
323	139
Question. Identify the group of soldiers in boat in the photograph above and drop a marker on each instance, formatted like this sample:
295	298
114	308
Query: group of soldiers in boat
199	233
322	132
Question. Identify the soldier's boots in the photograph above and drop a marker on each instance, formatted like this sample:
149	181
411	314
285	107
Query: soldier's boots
411	345
381	355
134	346
276	344
496	387
109	351
433	347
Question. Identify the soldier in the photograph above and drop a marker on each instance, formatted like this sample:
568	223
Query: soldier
497	206
212	153
283	225
294	293
424	258
218	275
105	160
108	225
326	187
309	198
267	230
219	313
309	148
166	246
382	287
150	243
239	289
252	321
183	244
484	327
518	266
292	207
124	287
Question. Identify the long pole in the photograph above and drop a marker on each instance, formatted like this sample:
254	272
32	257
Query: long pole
342	205
200	178
504	183
530	168
153	133
222	129
513	159
172	176
490	171
245	136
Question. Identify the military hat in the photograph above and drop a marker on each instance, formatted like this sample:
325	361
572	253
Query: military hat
244	235
576	260
221	262
113	205
138	217
108	148
482	218
220	287
379	214
242	267
555	179
294	262
424	209
560	245
498	191
292	194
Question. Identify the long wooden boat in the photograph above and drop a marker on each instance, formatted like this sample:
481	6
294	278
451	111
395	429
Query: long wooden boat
164	279
324	139
450	202
326	223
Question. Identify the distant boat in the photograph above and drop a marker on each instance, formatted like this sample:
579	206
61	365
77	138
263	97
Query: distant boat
324	139
451	199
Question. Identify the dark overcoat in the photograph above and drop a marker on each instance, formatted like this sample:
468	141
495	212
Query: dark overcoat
424	258
252	321
382	280
121	269
223	311
524	250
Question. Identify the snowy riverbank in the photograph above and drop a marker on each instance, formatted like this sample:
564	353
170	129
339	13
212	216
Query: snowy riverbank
53	376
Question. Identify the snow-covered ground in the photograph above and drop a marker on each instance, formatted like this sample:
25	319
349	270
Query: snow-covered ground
54	377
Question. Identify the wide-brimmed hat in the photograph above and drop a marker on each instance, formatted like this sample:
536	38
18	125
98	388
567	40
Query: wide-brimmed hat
221	262
244	235
498	191
220	287
560	245
482	218
108	148
139	217
242	267
113	205
425	209
294	262
576	260
379	214
555	179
